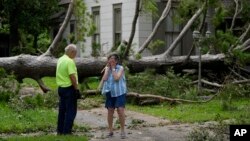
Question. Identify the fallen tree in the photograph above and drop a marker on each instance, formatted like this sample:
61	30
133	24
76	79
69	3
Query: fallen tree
37	67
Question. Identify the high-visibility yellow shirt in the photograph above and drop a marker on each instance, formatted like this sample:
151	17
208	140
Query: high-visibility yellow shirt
65	67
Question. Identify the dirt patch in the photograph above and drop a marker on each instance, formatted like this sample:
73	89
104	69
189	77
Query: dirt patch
139	127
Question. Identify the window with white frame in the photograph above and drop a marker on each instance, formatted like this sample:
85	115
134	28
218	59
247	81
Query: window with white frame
96	19
117	18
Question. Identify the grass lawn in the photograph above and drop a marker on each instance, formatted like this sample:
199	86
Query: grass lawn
26	121
48	81
238	109
38	123
47	138
198	112
41	121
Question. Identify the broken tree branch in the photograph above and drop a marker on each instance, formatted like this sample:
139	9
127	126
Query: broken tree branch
241	81
237	74
150	98
248	47
202	24
243	36
61	30
156	27
236	13
132	34
209	83
44	88
246	43
244	70
183	32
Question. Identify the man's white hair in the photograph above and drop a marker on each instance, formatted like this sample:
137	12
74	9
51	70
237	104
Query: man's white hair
70	47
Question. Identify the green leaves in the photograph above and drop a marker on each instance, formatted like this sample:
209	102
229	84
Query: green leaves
26	18
171	84
84	22
219	16
150	6
186	9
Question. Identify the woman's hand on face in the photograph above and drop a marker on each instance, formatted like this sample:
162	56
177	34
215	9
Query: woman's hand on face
113	64
108	63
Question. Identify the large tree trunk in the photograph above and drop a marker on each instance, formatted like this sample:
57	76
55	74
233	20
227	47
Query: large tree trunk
37	67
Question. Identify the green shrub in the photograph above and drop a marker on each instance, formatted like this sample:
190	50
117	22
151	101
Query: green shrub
211	131
232	92
203	134
170	85
51	99
200	135
8	86
48	100
96	49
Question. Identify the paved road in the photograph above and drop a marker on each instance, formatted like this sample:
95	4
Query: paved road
150	129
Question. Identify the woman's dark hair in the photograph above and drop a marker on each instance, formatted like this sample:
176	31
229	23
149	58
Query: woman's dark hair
117	58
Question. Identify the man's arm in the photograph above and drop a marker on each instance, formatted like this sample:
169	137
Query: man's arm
74	81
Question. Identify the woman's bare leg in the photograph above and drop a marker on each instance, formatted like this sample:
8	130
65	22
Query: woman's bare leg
121	115
110	119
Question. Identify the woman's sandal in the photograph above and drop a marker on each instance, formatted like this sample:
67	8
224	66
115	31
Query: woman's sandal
123	135
110	135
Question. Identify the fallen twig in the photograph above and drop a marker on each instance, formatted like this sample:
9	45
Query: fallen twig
143	99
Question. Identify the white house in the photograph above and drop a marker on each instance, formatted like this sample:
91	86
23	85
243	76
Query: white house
113	19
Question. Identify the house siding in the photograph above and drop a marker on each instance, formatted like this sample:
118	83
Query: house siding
145	23
143	26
